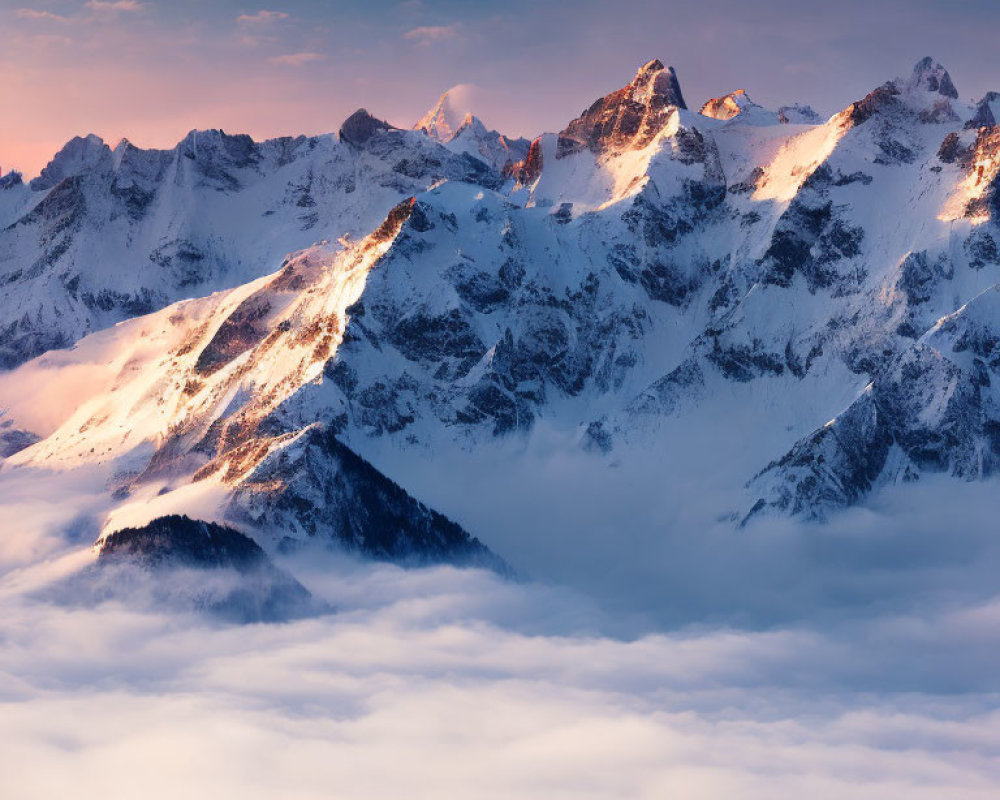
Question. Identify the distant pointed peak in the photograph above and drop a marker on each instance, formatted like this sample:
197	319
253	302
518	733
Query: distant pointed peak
653	80
470	122
447	117
10	180
727	106
798	114
123	146
930	76
928	93
361	126
630	117
987	111
78	155
650	66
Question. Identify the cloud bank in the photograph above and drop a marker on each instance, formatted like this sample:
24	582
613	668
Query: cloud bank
877	680
441	683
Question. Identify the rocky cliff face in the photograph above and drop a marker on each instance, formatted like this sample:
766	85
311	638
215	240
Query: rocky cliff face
935	408
630	117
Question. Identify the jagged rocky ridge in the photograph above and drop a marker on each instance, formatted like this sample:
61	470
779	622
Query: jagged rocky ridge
226	370
644	263
936	408
103	235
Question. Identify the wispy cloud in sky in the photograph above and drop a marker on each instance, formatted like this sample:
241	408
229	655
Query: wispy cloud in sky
262	17
31	13
114	5
296	59
429	34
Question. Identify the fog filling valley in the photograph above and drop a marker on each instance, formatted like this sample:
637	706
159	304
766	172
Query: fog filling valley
637	657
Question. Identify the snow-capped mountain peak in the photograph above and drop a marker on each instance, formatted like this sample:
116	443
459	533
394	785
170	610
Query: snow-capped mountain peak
644	262
472	123
727	106
987	111
798	114
929	76
629	118
77	155
738	106
453	125
653	80
453	108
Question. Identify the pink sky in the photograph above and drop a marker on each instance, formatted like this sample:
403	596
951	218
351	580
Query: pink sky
151	71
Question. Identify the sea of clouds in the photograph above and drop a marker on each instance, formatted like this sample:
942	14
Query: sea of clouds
783	660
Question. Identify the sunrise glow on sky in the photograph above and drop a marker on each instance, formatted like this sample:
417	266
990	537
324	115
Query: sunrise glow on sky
150	70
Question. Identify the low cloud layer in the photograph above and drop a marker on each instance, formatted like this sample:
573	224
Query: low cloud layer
439	683
653	650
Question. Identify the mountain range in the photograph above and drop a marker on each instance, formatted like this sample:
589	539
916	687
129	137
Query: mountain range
283	336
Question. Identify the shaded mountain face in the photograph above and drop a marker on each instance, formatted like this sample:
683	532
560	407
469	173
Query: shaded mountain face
177	541
645	270
317	487
204	566
936	408
798	114
227	370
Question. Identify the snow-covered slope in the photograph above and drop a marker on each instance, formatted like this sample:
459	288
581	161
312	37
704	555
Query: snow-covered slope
102	235
935	408
714	288
183	406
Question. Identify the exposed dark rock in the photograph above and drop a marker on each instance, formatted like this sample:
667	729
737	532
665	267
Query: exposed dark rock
10	180
180	541
952	151
318	488
984	117
985	163
883	98
14	440
934	405
809	241
241	331
664	396
833	467
258	592
360	127
932	77
743	363
982	249
528	171
219	157
918	276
